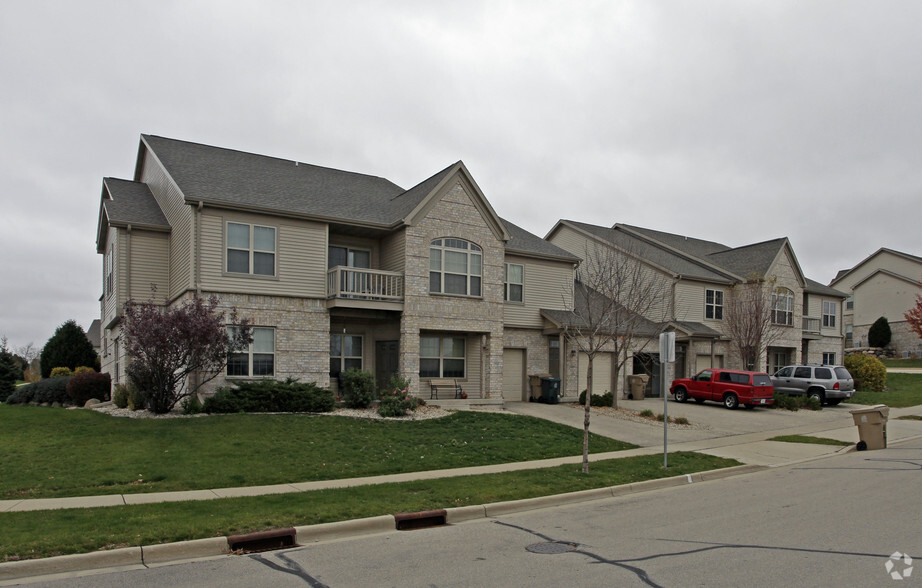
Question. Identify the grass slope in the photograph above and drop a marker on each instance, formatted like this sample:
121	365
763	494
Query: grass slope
49	452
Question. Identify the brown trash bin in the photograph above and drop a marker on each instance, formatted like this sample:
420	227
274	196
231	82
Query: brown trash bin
534	383
638	383
872	426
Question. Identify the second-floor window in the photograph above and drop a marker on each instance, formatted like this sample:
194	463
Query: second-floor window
250	249
829	314
514	283
783	307
455	267
110	269
258	359
714	304
850	302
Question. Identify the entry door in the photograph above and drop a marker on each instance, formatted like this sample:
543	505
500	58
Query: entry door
386	364
514	375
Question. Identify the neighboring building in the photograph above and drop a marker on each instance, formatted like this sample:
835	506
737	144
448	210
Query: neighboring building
700	276
92	334
336	270
884	284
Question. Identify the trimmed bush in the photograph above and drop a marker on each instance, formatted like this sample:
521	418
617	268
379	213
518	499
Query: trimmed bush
120	396
85	385
270	396
397	403
358	388
60	372
49	390
796	402
596	400
192	405
879	335
136	400
84	370
869	373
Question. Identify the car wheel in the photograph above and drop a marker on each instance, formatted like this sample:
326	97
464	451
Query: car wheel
731	401
834	402
681	395
818	394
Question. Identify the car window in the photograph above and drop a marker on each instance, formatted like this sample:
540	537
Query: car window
843	374
823	373
784	372
802	372
725	377
761	380
739	378
704	376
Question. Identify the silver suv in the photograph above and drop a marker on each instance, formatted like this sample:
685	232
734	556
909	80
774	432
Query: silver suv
830	384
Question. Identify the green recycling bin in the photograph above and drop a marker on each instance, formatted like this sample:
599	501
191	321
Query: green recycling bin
550	390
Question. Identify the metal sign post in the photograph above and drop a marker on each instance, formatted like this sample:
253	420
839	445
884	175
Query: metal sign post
666	355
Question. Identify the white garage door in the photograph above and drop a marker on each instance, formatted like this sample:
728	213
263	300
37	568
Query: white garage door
514	374
703	362
601	372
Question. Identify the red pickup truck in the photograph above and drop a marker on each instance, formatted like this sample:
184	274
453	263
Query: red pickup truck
731	387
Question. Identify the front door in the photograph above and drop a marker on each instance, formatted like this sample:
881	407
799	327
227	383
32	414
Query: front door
385	362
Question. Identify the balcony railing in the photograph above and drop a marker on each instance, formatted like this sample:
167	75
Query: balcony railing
364	284
811	325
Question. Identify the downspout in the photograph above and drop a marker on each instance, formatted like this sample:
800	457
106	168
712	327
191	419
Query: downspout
197	220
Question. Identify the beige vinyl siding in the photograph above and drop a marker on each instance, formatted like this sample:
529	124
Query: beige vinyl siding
690	301
300	257
149	265
572	241
393	252
548	284
111	302
883	295
886	260
179	215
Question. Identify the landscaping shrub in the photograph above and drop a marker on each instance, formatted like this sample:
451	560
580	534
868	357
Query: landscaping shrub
83	370
120	396
136	400
397	403
596	399
270	396
85	385
192	405
869	373
796	402
49	390
396	382
879	335
8	373
61	371
358	388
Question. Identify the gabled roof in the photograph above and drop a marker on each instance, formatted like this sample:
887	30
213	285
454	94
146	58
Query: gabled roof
587	302
236	179
750	260
125	203
886	272
814	287
522	242
842	273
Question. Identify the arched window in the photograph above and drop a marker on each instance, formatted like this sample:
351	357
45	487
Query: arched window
455	267
783	307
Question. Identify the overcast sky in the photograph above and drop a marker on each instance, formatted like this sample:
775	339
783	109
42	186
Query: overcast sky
730	121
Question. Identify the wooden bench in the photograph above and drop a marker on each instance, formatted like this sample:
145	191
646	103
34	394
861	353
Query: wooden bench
444	384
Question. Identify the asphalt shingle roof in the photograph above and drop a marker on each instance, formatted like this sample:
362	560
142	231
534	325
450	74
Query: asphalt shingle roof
132	203
522	241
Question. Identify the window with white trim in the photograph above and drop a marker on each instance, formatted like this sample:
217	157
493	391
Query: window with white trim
110	270
783	307
829	359
250	249
829	313
455	267
258	359
345	353
714	304
514	283
441	357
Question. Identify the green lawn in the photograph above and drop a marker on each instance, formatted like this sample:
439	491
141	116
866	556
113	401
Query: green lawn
903	390
46	533
902	363
809	439
51	452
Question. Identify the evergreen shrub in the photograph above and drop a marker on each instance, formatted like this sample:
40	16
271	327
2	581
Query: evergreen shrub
49	390
270	396
85	385
358	388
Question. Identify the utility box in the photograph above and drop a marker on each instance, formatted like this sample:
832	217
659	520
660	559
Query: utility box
872	426
638	384
550	390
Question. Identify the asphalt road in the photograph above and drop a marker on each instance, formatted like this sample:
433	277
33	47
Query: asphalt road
828	522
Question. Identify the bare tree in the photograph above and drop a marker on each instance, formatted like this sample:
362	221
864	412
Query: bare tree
755	316
619	305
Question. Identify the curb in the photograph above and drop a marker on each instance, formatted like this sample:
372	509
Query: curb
165	553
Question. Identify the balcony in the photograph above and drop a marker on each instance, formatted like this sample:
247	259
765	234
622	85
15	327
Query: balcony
364	288
811	326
